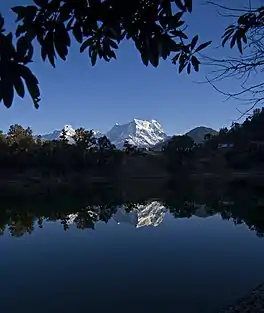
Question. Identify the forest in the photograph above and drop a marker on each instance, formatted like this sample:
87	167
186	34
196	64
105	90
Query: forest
239	148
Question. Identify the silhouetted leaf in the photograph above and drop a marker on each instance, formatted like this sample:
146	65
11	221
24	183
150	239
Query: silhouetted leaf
225	40
239	44
60	42
233	40
243	35
154	59
7	90
175	58
19	86
21	29
144	58
179	33
195	63
86	44
189	68
203	45
181	67
93	57
31	83
188	5
49	46
22	47
228	32
112	44
194	41
179	5
182	63
20	11
77	32
112	54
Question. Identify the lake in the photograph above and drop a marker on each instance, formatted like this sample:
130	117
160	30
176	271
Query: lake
170	254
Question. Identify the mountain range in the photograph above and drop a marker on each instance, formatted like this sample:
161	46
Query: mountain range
141	133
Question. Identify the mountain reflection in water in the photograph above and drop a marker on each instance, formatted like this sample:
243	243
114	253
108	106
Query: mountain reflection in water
241	204
175	249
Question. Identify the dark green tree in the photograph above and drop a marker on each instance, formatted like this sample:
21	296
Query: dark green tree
84	139
177	150
129	148
105	145
20	138
63	137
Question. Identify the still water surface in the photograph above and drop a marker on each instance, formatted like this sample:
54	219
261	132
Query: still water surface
142	261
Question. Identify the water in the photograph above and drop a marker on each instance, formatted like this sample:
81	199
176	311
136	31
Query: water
130	257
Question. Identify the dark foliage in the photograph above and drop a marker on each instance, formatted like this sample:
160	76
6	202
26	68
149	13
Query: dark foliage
157	29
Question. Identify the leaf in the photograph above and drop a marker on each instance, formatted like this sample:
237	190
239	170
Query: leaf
239	44
154	59
49	46
189	68
233	41
242	34
144	58
228	32
31	83
112	44
77	32
112	54
175	58
225	40
181	67
179	33
179	5
93	57
177	16
188	5
7	90
88	42
203	45
21	29
60	44
22	47
194	41
41	3
195	63
19	86
182	63
20	11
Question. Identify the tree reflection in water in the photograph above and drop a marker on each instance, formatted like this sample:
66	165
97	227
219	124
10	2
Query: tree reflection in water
242	203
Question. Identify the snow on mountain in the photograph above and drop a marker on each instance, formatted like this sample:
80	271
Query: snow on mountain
55	135
70	132
140	133
151	214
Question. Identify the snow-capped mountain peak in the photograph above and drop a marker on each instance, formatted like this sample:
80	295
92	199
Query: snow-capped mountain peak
141	133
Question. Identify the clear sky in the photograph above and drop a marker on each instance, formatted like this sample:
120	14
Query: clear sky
98	97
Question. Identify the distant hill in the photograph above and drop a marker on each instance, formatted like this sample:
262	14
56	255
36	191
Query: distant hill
197	134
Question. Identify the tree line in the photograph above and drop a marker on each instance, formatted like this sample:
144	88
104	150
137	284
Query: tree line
21	150
241	146
240	203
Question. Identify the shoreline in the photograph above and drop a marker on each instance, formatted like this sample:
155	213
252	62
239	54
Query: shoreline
250	303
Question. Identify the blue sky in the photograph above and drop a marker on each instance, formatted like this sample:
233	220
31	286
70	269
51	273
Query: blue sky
98	97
